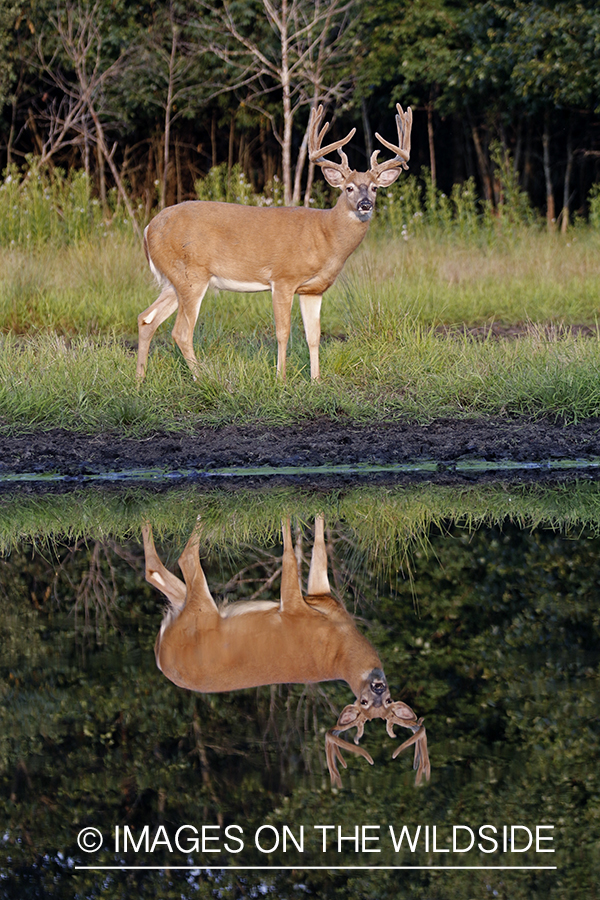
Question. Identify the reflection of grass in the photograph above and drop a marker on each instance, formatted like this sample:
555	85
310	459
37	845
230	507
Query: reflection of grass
390	364
387	524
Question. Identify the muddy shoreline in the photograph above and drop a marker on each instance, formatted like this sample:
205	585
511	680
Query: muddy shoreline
311	444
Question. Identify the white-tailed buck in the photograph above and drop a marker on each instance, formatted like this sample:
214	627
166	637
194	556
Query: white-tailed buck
300	639
284	250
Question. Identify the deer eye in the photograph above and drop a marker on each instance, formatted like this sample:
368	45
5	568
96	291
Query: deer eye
364	702
350	188
388	700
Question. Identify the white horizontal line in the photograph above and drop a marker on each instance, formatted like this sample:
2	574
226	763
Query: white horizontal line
217	868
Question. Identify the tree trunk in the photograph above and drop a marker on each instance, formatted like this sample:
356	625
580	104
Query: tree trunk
86	155
431	144
366	129
168	109
178	171
550	210
564	224
483	166
468	151
263	152
286	146
230	154
309	183
213	140
101	178
526	176
299	169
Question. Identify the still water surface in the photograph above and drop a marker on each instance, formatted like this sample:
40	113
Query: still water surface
475	609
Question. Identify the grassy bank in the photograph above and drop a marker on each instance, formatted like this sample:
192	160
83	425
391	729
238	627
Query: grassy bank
387	371
393	326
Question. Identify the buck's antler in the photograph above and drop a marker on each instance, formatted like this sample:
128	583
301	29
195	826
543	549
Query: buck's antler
316	153
401	149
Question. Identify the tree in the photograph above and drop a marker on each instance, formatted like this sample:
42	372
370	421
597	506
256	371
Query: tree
297	49
556	66
167	74
411	47
80	70
8	15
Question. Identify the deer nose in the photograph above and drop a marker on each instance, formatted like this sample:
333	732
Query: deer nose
365	205
378	687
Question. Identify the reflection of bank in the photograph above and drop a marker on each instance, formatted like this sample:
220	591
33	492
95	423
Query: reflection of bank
300	639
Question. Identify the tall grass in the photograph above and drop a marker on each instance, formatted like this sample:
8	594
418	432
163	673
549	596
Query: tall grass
98	287
439	278
44	205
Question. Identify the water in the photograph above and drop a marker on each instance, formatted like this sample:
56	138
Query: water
480	603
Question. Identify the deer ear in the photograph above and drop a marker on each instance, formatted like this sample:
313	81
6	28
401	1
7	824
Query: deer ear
348	715
333	176
389	176
402	710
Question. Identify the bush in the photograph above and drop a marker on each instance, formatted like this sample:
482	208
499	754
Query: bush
44	205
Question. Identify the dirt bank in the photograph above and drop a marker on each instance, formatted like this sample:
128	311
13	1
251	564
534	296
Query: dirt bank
446	442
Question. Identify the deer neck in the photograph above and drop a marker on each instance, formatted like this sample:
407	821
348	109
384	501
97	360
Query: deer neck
346	229
356	661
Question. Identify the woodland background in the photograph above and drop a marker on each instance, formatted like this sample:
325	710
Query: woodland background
146	98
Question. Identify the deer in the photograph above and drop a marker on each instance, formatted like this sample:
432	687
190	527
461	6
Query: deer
299	639
199	244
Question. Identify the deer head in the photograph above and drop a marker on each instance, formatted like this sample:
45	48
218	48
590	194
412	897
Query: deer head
359	188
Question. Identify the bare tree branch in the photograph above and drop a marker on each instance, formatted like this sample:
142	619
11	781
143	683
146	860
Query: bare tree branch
306	62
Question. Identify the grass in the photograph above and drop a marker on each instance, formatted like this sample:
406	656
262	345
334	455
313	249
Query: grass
390	368
522	276
98	286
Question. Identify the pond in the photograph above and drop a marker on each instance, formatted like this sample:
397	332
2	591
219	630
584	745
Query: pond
468	614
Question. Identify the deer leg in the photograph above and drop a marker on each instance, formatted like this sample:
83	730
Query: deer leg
199	596
190	301
310	306
282	308
318	582
148	322
291	594
158	576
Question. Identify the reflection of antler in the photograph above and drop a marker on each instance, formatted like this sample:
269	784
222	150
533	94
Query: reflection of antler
401	714
350	717
397	713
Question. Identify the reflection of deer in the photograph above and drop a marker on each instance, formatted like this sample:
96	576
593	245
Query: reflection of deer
299	639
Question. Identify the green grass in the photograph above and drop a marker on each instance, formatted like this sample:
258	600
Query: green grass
389	369
68	332
98	286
